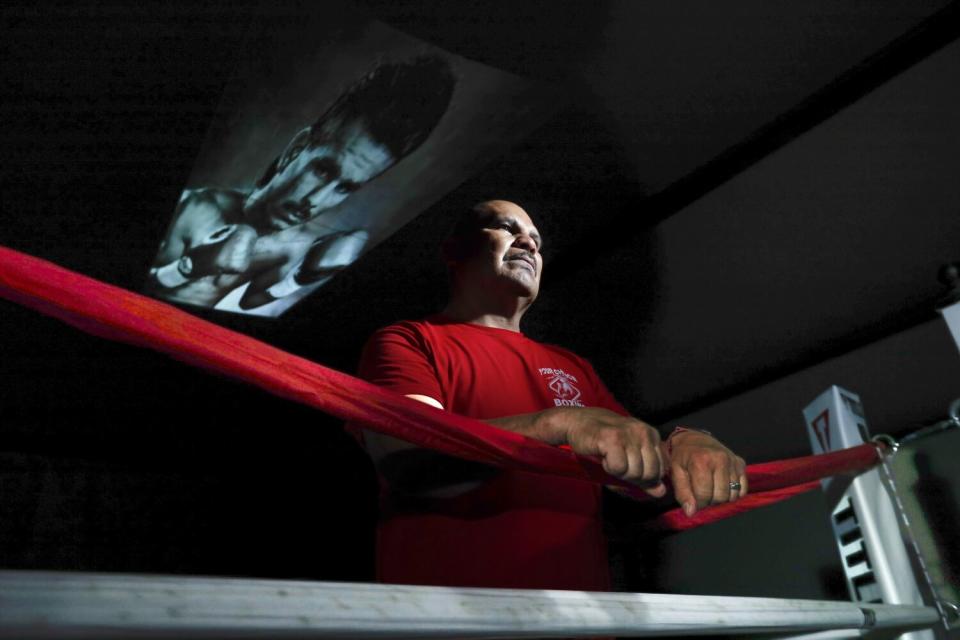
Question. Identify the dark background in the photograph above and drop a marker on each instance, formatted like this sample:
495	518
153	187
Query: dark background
742	203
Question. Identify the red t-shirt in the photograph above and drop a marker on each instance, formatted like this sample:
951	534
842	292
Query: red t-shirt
517	529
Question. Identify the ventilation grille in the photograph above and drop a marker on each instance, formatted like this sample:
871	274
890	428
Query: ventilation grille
856	562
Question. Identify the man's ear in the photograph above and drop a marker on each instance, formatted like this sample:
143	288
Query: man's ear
294	148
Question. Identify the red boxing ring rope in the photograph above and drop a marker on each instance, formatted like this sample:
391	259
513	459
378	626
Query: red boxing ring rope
117	314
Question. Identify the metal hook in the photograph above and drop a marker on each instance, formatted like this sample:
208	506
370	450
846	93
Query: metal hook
890	444
951	611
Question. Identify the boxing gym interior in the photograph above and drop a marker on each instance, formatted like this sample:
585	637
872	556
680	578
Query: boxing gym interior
743	204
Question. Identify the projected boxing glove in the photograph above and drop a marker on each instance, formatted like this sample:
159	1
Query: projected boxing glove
325	257
227	249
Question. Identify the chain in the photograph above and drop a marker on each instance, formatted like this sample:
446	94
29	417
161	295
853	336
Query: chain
952	421
908	529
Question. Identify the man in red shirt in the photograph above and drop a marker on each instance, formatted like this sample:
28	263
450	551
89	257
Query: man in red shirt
450	522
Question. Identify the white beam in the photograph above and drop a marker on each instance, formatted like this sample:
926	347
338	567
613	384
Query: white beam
81	605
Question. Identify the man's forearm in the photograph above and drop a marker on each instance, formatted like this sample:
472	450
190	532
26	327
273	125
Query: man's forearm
703	470
590	431
546	426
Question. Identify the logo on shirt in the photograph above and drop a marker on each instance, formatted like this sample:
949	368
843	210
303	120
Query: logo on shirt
562	385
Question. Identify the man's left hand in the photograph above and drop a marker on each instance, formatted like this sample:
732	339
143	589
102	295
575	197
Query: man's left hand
704	472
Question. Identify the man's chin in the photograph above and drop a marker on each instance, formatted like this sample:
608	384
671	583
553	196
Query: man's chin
525	287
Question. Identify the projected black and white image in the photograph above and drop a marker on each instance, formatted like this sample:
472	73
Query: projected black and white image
320	151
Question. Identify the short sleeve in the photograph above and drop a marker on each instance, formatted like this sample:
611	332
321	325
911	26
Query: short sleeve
399	358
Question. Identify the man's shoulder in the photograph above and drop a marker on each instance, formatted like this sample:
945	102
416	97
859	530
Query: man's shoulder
430	336
414	332
400	346
404	326
433	322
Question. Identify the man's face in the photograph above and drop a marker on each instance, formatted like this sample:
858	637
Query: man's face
506	251
317	178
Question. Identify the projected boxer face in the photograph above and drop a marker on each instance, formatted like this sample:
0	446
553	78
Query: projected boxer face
312	179
507	248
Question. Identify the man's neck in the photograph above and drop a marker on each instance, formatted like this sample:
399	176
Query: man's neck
505	314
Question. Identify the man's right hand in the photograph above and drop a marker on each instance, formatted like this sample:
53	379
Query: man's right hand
629	448
228	249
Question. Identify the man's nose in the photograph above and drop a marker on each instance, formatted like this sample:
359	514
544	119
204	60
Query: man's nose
524	241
